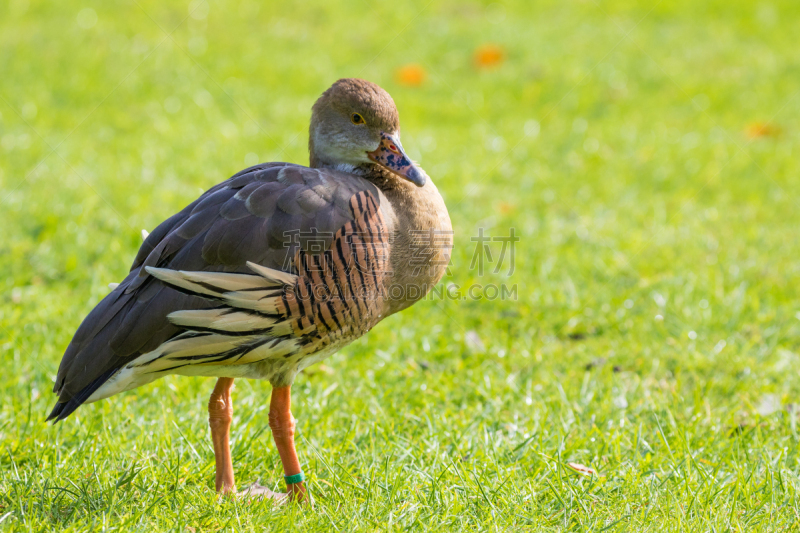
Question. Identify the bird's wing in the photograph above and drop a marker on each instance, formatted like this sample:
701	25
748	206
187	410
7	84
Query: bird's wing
335	297
264	215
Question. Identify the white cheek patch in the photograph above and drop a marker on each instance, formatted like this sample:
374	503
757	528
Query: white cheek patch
338	149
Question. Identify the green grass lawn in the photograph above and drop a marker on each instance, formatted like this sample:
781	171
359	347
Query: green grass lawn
645	156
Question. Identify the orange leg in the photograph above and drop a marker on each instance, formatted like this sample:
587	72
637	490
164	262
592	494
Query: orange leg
282	424
220	415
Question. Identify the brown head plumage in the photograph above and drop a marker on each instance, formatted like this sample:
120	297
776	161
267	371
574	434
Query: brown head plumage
355	95
355	127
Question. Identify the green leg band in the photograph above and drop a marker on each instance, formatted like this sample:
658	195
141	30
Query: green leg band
296	478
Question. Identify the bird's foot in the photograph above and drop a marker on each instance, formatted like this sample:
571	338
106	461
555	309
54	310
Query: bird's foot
296	494
258	492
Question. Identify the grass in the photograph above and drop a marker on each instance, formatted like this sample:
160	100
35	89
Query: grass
646	156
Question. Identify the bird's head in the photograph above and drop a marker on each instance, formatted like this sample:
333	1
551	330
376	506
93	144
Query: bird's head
355	126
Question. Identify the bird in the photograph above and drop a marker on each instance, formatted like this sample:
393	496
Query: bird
269	272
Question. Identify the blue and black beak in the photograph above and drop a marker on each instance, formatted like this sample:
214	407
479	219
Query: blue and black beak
391	156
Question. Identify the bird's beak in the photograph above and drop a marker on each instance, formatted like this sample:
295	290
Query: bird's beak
390	155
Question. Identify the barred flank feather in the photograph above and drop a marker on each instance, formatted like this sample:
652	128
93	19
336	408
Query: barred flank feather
271	323
175	312
336	296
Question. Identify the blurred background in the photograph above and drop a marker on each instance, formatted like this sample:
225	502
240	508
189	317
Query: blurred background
645	153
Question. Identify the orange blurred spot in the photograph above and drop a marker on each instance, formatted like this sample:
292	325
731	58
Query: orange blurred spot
761	129
411	75
489	55
507	208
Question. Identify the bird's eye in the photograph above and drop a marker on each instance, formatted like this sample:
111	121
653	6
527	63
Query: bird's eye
357	119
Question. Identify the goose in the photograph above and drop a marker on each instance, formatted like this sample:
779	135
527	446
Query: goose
271	271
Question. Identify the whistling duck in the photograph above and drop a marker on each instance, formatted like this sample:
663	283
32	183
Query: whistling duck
269	272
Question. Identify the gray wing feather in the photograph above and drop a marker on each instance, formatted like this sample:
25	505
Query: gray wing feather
250	217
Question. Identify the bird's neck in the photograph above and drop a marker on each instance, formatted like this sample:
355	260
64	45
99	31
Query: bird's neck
423	238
